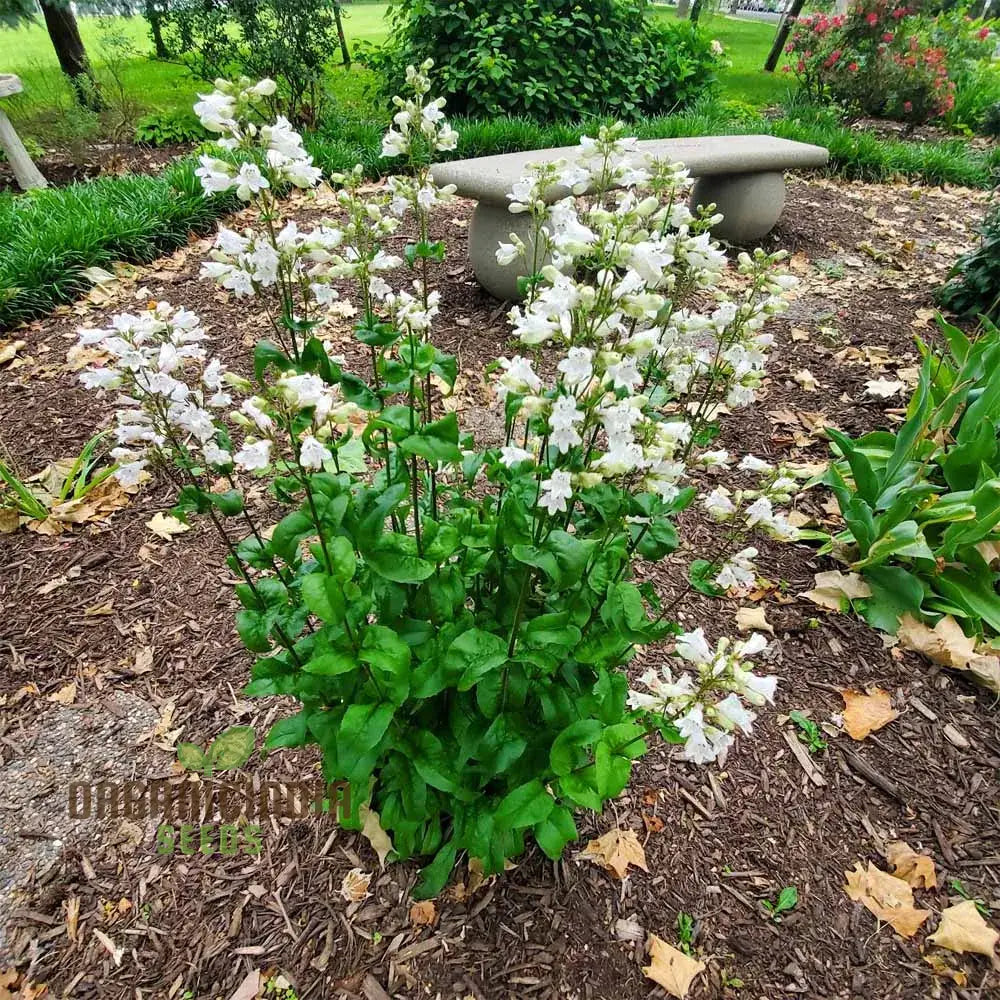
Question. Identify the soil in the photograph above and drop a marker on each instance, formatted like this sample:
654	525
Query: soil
60	167
144	629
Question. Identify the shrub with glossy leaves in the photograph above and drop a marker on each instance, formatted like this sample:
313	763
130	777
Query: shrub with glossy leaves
549	59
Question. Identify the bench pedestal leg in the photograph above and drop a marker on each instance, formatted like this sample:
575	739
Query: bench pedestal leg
491	225
26	174
750	203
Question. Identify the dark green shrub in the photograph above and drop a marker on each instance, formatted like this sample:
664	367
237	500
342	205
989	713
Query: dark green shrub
548	59
973	288
289	41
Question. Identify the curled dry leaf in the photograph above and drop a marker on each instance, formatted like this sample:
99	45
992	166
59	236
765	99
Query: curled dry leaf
917	869
941	968
372	831
354	888
66	695
883	388
752	619
671	968
963	929
166	526
807	380
835	590
866	713
423	914
615	851
888	897
949	646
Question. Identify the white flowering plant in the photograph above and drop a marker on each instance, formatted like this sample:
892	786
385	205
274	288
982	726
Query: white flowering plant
455	619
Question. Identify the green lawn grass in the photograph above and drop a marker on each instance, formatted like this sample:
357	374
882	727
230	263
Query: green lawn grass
46	112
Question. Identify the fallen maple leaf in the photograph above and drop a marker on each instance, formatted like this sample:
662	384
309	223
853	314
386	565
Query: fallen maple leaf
941	968
917	869
834	590
423	914
354	888
752	620
615	851
866	713
888	897
948	645
963	929
671	968
166	526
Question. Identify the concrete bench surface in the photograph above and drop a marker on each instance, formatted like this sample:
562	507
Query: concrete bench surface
741	174
26	173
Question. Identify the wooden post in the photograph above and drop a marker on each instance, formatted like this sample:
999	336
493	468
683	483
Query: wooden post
26	173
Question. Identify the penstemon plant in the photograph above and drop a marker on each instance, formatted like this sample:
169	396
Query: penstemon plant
454	619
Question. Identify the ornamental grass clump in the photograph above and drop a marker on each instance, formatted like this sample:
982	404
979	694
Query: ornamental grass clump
454	619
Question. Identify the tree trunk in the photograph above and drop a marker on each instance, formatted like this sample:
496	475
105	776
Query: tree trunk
784	28
61	24
696	11
682	8
344	50
153	16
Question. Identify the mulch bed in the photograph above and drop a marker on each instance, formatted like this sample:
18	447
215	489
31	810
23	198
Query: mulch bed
717	841
60	167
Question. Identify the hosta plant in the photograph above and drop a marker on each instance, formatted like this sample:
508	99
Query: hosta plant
454	617
921	504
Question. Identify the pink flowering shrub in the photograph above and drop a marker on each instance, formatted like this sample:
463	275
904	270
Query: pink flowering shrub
873	61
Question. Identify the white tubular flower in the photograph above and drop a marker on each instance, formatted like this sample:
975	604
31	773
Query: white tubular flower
555	492
713	459
738	572
518	376
693	646
750	463
577	368
216	175
313	453
510	455
250	181
562	421
719	505
130	473
253	456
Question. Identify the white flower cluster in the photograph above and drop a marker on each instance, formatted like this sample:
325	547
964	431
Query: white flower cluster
250	261
227	110
150	359
692	702
419	121
616	269
176	401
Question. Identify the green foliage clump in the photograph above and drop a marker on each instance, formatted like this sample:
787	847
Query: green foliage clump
49	237
919	502
289	41
168	128
549	59
974	283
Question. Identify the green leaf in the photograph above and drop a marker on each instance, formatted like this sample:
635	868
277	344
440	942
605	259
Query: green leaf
232	748
392	559
473	655
431	761
360	732
192	757
331	664
324	597
526	805
290	732
254	631
568	749
556	831
389	658
434	876
701	575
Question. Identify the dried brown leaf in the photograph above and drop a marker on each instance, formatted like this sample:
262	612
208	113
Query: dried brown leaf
615	852
888	897
963	929
907	864
865	714
671	968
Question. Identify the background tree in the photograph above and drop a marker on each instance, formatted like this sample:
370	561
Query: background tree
60	22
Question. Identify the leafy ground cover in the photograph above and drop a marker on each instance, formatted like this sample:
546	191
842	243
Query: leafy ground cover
124	618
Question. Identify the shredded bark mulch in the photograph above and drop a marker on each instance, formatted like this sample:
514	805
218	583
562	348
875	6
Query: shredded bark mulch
144	629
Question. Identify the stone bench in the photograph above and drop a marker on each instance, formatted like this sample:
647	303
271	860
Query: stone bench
26	173
742	174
